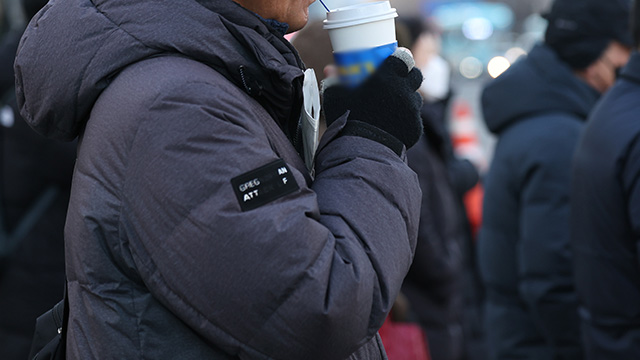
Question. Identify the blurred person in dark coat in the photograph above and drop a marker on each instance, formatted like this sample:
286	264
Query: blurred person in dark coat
537	109
605	220
35	179
435	285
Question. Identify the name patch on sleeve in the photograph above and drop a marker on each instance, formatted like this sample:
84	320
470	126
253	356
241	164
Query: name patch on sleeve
263	185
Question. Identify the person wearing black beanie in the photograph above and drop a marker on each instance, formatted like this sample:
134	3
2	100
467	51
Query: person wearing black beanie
589	34
537	109
605	221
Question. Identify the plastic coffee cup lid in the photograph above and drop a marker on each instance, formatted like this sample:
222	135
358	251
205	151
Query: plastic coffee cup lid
359	14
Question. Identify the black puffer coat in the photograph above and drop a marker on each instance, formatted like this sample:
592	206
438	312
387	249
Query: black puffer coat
605	199
177	103
537	109
434	285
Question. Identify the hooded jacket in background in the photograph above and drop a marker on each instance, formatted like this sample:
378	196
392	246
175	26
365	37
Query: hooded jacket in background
605	199
537	109
180	106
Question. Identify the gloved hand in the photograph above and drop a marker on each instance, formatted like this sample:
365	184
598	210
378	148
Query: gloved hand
385	107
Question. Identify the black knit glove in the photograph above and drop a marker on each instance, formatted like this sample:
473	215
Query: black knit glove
385	108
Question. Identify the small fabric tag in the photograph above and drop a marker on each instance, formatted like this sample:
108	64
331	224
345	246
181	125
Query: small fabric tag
263	185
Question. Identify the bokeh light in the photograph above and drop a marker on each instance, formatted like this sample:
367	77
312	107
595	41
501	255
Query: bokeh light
514	54
477	28
497	66
470	67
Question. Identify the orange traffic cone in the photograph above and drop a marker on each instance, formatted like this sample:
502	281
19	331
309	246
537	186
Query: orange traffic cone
466	144
465	135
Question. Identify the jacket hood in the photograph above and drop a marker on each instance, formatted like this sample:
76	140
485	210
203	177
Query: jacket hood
72	49
540	83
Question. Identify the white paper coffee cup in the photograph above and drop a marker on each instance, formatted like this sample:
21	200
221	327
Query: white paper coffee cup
362	36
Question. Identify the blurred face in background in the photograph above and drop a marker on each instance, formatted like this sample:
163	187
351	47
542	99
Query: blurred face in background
295	13
602	74
425	47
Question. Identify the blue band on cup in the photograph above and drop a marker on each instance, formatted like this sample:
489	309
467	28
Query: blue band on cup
355	66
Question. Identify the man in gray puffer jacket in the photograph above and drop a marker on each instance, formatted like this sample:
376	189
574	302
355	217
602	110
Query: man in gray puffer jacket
194	229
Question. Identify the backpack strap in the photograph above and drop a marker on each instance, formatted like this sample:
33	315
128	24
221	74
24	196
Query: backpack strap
50	335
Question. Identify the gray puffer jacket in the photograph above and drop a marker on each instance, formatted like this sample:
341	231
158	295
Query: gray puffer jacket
173	249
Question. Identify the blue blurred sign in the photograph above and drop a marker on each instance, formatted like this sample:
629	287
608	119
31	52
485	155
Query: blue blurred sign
453	14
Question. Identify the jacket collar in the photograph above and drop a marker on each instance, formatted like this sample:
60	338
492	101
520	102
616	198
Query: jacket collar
277	88
632	70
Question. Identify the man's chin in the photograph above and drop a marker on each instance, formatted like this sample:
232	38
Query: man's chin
297	26
300	22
